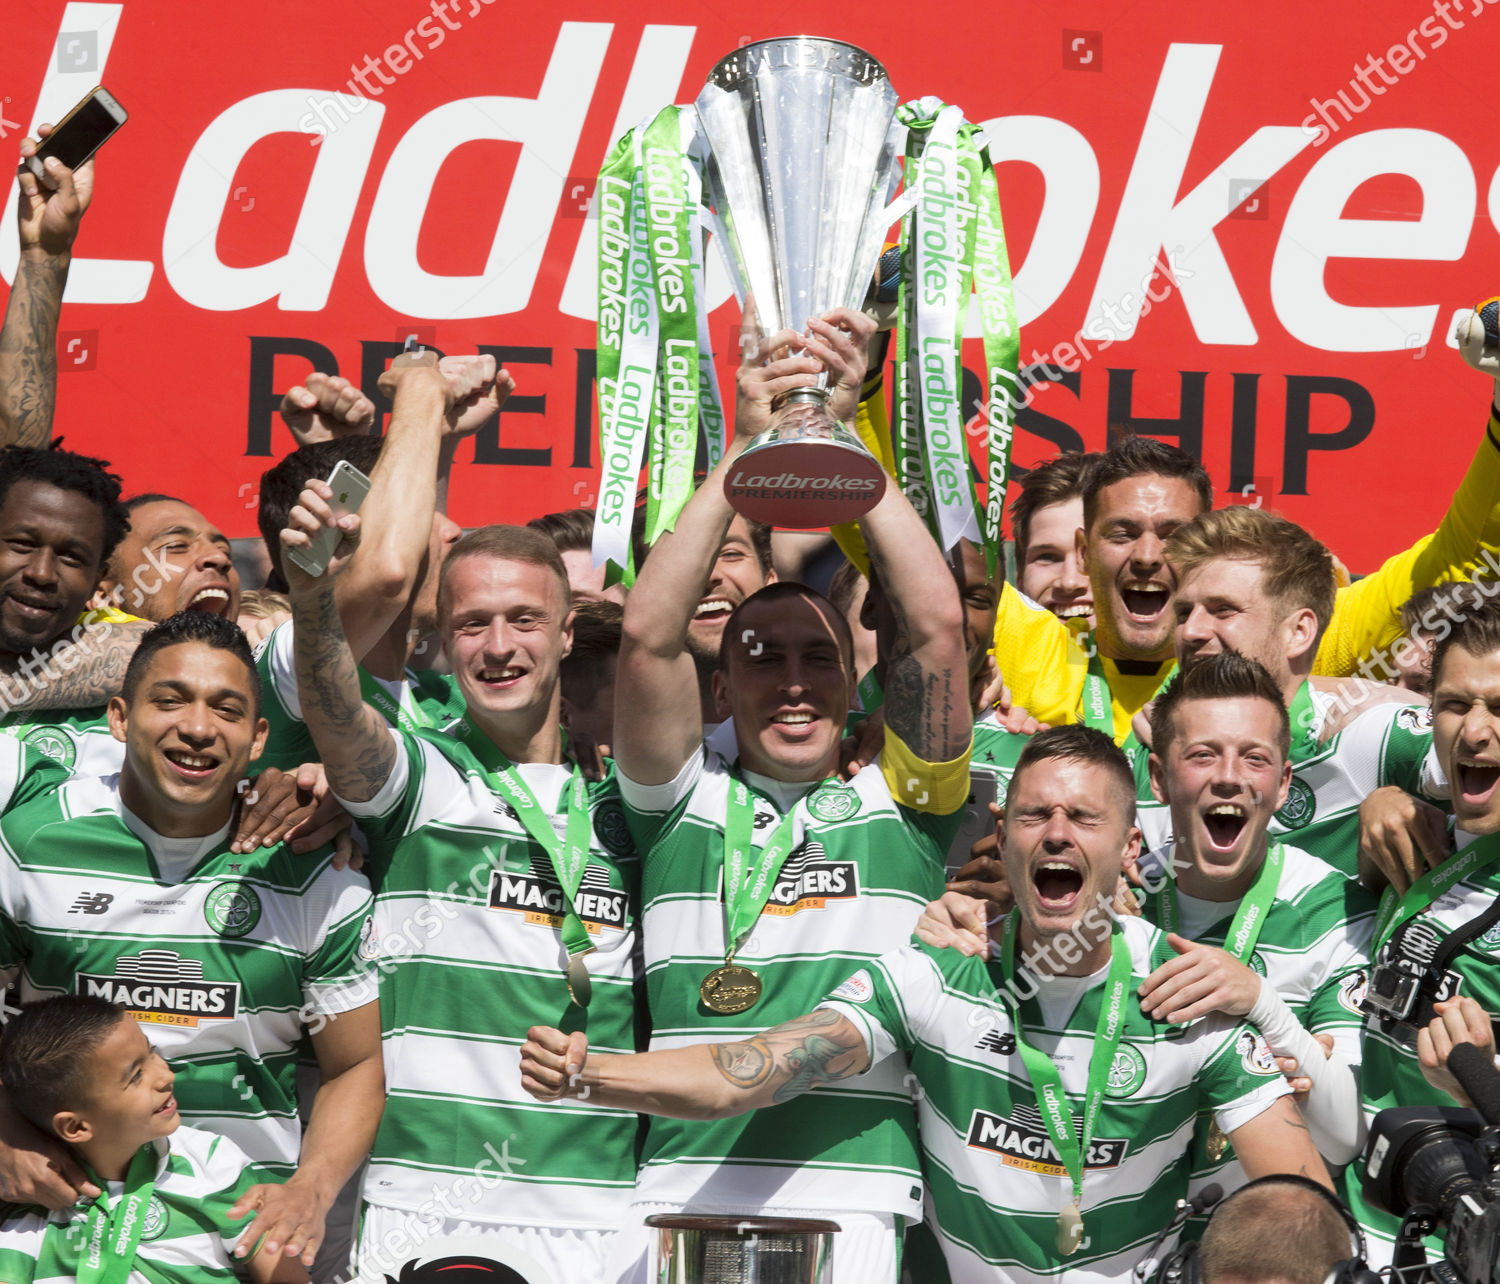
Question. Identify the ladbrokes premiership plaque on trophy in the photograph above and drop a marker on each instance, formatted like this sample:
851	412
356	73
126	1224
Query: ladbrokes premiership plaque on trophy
803	160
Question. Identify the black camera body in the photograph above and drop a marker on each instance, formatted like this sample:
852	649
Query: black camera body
1435	1167
1401	993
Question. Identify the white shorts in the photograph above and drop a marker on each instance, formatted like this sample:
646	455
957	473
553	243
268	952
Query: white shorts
394	1242
865	1251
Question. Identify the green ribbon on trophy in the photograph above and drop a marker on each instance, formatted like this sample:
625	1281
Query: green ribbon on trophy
952	242
655	370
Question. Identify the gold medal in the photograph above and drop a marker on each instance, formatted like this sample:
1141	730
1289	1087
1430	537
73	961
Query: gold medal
1069	1230
730	989
1217	1142
580	986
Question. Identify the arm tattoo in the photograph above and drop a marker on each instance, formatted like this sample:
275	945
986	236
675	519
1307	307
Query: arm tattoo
919	707
821	1047
81	675
354	741
28	351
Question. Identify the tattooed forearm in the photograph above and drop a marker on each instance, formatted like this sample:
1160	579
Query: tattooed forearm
28	351
78	675
920	708
790	1059
354	741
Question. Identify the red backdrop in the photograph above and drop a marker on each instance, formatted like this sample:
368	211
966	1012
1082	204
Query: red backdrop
1323	178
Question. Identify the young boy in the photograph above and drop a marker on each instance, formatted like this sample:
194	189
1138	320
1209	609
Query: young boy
81	1068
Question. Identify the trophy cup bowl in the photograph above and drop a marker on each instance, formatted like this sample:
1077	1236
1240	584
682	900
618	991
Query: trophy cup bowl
743	1250
803	161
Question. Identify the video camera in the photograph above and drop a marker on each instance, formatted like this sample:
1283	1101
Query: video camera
1433	1168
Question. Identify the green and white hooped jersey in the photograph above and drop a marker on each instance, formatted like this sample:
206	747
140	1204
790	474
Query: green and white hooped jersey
996	751
468	941
77	739
995	1185
431	698
224	958
26	774
1390	1075
1314	948
187	1239
1387	745
860	870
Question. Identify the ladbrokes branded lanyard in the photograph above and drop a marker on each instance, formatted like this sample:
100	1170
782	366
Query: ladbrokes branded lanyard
1098	700
409	719
1396	910
112	1237
1051	1098
570	857
1244	929
748	883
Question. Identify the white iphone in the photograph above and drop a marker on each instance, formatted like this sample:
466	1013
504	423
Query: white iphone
349	486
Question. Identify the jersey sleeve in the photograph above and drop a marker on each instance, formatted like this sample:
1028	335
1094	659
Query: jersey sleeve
1333	1007
337	975
1367	615
1389	745
874	1000
289	743
25	774
1035	655
650	809
227	1174
22	1234
1239	1078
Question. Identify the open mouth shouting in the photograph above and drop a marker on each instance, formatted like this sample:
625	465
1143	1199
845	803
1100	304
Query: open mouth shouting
1144	600
713	612
1224	823
1058	884
1476	779
212	600
194	767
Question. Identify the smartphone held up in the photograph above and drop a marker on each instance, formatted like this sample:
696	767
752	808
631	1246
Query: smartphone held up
79	134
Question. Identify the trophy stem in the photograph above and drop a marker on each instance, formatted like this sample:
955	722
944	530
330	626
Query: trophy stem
803	396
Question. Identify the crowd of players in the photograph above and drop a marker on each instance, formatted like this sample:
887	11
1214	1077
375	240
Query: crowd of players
327	944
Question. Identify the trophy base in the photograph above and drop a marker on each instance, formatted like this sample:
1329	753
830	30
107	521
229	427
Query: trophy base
805	471
743	1250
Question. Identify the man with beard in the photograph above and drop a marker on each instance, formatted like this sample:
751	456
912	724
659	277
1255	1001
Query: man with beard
1443	929
388	594
171	559
816	874
1006	1057
60	520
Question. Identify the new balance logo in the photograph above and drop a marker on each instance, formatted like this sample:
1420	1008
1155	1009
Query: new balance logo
1001	1041
92	903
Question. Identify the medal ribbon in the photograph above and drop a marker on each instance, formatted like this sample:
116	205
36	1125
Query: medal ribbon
410	719
1098	700
748	883
1394	911
1244	928
570	856
1051	1097
112	1237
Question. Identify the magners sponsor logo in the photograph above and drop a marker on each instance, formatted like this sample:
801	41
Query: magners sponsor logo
1022	1142
163	988
540	899
809	880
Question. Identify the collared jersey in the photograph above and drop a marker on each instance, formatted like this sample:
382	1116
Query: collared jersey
225	958
861	868
431	697
1390	1074
468	933
188	1237
1387	745
995	1183
996	752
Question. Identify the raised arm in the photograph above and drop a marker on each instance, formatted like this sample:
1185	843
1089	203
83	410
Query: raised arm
927	671
432	404
352	739
706	1081
48	212
658	716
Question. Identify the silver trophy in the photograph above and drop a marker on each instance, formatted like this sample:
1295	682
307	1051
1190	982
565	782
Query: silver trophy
804	158
743	1250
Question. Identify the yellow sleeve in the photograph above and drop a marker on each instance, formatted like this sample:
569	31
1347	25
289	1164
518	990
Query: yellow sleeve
1367	615
874	429
108	615
939	788
1041	663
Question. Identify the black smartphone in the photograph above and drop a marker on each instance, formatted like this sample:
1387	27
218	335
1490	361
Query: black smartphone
80	133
